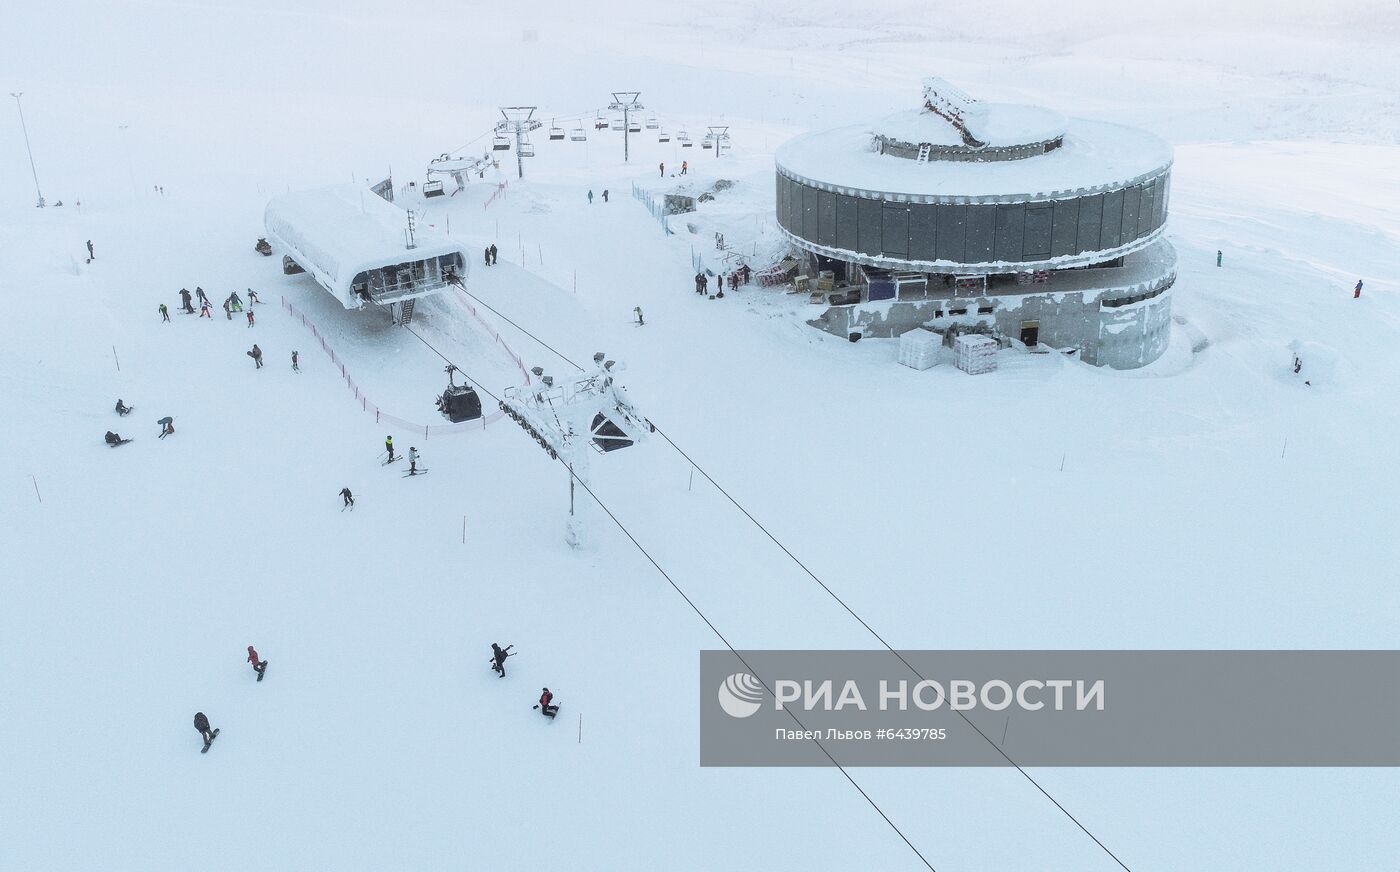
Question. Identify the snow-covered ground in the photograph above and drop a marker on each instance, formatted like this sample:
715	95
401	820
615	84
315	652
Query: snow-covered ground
1208	501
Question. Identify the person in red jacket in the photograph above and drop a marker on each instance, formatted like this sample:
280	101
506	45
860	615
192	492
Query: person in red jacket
545	708
259	666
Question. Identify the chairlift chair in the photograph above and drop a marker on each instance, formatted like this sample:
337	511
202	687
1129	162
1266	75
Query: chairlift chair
555	133
617	124
600	123
708	141
634	127
684	139
432	189
652	123
578	134
500	143
526	148
663	136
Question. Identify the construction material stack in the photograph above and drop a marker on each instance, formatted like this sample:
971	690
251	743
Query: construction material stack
976	353
918	349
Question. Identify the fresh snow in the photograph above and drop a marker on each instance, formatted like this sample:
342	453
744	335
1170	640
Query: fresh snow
1210	500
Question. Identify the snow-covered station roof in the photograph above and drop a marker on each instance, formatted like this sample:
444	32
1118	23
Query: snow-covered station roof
338	232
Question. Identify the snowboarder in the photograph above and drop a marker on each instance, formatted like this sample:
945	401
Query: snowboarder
115	439
348	497
204	311
201	723
543	705
256	354
253	297
498	658
167	426
663	169
259	666
250	317
185	301
637	310
493	254
590	197
389	447
412	460
1218	257
228	312
1357	294
605	195
295	367
91	256
685	165
236	301
122	408
164	313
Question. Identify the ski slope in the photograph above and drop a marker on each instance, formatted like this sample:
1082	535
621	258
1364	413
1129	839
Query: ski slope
1210	500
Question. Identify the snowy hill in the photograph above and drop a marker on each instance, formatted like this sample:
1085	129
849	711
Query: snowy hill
1209	500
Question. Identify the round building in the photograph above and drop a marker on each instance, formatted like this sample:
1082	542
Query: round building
967	216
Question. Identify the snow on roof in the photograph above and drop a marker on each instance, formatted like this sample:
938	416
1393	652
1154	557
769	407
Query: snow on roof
1095	155
339	231
996	124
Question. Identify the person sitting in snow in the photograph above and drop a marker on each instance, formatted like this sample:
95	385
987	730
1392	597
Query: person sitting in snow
122	408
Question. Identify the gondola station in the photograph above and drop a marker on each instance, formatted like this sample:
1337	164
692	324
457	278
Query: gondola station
963	216
362	248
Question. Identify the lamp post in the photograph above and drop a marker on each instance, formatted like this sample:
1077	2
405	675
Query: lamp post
27	147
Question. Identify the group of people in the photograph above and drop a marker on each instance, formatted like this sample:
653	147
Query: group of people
201	720
590	195
546	705
735	278
233	303
490	253
685	168
167	425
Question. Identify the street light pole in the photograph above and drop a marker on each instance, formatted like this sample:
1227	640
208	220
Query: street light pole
27	147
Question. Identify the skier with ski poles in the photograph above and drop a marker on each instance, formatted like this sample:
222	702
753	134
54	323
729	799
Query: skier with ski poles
412	460
167	426
259	666
185	301
164	313
348	497
498	658
389	447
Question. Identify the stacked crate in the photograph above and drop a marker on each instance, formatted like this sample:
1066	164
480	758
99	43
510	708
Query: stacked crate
976	353
918	349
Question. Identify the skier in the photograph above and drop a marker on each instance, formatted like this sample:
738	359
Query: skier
258	665
236	301
204	310
348	497
663	169
122	408
114	438
1218	257
199	292
590	197
493	254
637	310
250	317
1297	364
1357	294
543	705
685	165
228	313
253	297
167	426
295	367
389	447
412	460
256	354
498	658
164	313
185	301
605	195
201	723
91	256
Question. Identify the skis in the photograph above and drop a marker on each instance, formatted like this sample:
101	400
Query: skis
414	472
351	507
115	444
212	736
396	459
129	410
